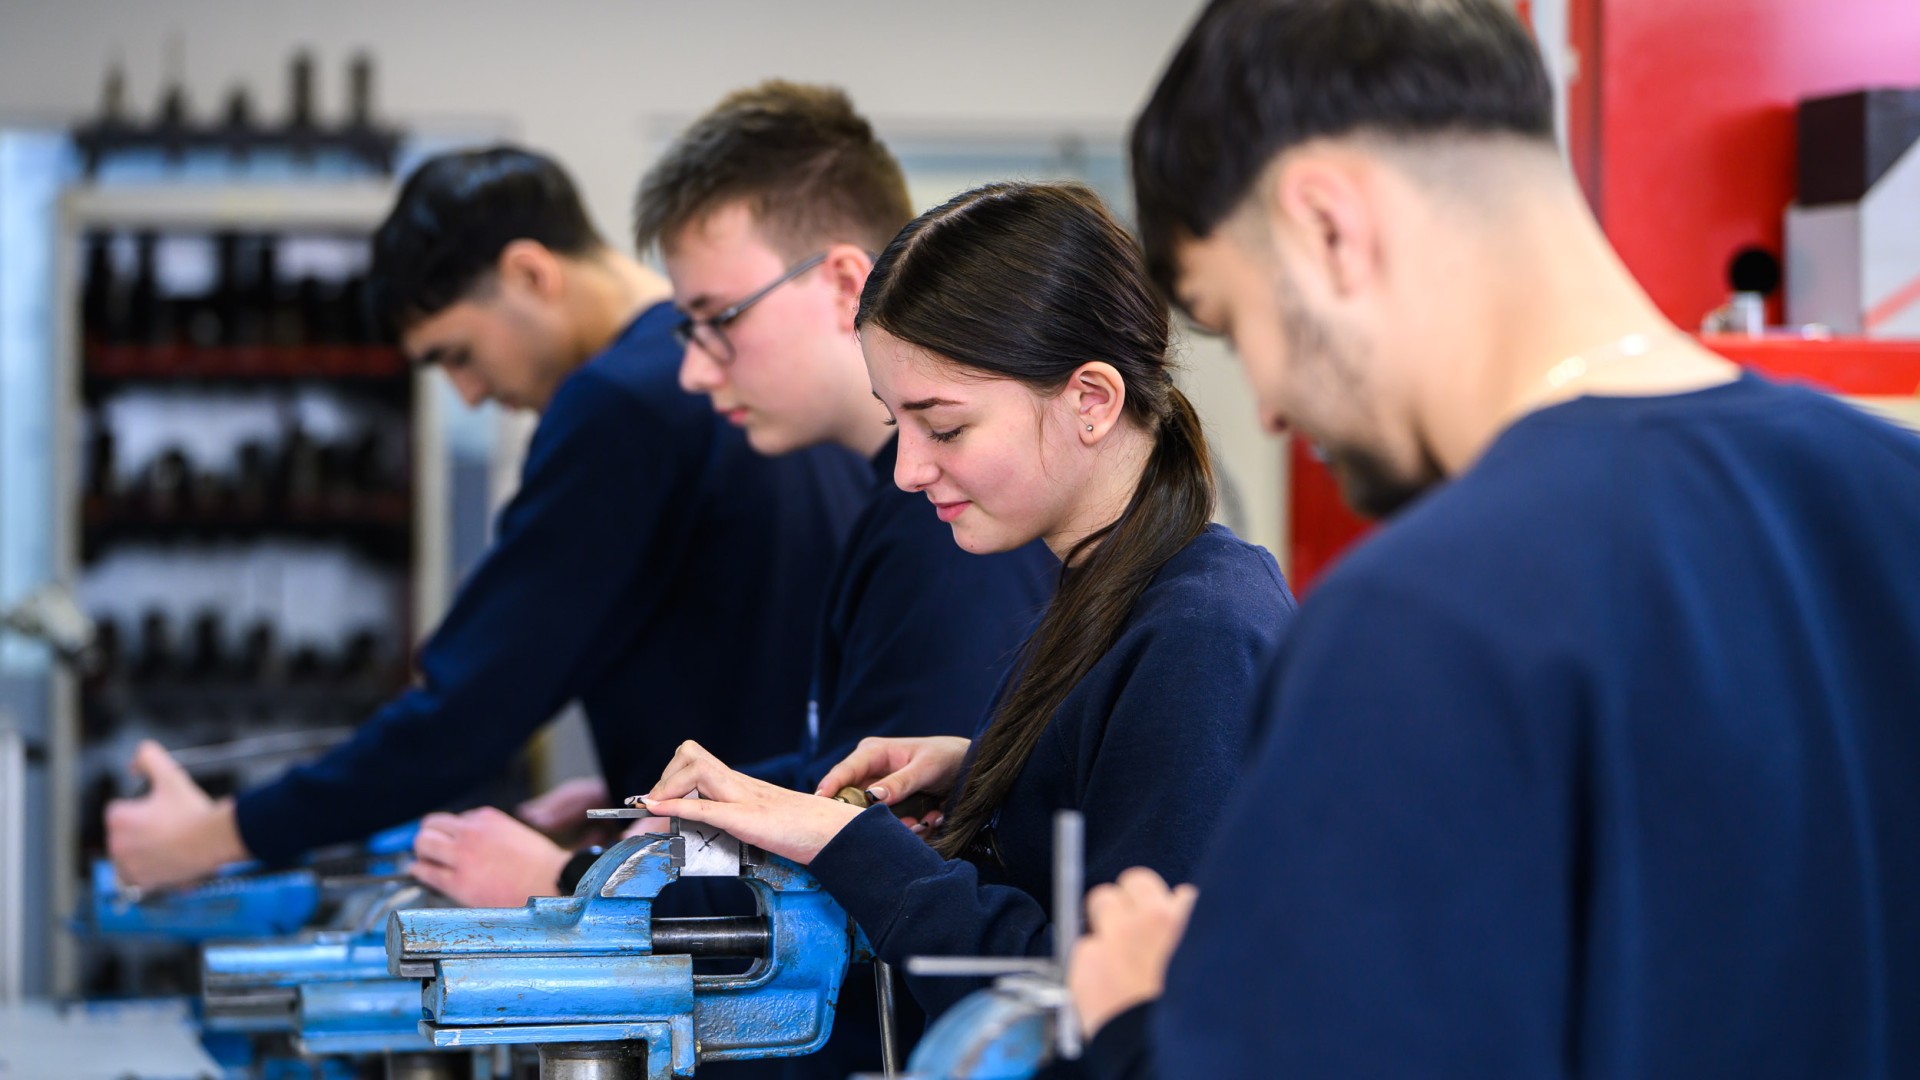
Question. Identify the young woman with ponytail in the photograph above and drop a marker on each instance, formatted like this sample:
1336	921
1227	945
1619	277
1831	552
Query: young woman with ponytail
1020	348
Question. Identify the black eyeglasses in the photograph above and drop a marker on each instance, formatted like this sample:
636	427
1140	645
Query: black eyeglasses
710	333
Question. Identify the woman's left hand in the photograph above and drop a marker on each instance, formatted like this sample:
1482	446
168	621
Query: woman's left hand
791	824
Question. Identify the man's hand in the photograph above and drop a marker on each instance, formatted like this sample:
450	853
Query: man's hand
486	858
1132	928
563	808
174	834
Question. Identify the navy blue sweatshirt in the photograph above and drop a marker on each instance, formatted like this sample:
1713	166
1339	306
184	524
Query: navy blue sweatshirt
1603	760
1163	715
915	636
651	567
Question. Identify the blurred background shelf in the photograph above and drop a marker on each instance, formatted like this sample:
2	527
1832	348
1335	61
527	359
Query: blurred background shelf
250	497
110	364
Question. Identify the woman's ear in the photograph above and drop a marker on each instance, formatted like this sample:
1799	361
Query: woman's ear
1097	396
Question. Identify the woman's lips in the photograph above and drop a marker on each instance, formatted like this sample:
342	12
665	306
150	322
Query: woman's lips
949	511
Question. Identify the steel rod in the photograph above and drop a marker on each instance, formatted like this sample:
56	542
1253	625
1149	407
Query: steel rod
889	1037
730	936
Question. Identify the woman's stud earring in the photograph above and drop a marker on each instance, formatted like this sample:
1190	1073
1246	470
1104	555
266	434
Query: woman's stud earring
1089	427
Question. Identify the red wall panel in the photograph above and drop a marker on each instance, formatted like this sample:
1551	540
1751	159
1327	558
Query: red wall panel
1845	366
1681	132
1695	145
1319	526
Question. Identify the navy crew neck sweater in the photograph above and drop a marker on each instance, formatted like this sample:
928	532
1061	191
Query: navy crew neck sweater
1602	760
649	559
1145	745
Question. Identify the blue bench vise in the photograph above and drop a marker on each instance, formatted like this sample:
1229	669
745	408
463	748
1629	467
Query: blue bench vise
328	989
243	900
604	989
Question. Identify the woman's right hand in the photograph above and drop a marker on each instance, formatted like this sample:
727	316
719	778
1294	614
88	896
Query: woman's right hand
890	770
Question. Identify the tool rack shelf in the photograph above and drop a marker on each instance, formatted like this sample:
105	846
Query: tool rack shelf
261	524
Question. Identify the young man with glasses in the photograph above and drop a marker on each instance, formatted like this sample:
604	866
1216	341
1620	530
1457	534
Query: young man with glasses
651	567
766	212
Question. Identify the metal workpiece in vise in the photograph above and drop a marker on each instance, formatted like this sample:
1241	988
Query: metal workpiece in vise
607	991
245	900
328	989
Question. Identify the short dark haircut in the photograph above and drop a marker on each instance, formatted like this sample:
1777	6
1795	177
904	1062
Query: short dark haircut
1255	78
807	166
454	216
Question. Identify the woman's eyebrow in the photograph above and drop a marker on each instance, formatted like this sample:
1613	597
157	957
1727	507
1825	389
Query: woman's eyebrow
924	404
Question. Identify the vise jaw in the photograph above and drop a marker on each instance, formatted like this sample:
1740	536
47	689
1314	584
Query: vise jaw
244	899
596	968
329	988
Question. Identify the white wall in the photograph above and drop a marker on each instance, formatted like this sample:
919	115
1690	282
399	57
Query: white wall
598	84
587	79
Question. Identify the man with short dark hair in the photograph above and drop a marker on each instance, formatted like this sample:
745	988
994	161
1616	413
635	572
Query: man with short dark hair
1600	757
651	566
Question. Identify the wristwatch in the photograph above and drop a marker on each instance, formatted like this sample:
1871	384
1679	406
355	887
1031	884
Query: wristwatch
576	868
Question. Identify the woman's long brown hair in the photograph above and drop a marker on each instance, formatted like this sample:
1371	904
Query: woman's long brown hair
1028	281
